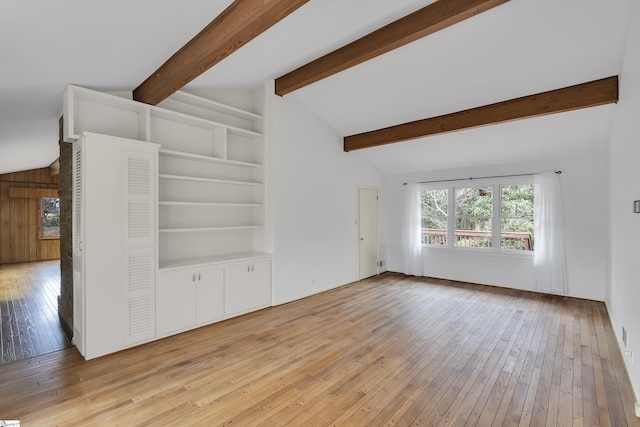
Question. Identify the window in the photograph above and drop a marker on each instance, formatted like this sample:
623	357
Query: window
494	216
474	217
50	215
516	219
435	205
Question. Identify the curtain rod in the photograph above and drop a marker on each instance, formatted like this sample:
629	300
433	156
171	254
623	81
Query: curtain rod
481	177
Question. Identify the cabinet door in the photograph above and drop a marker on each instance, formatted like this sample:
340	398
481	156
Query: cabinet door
209	295
261	284
139	292
139	197
248	286
178	300
238	288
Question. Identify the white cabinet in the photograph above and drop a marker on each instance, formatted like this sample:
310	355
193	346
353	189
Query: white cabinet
176	300
180	201
114	248
194	296
189	298
211	175
248	286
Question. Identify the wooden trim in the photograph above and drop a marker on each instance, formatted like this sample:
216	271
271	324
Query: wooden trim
54	168
585	95
240	23
32	193
428	20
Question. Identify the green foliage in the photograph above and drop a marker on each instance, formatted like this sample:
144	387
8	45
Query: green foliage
517	208
434	209
50	217
474	209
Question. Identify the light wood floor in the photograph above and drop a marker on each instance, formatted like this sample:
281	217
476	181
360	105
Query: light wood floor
29	323
380	352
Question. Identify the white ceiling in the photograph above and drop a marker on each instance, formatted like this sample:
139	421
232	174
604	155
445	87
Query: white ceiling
519	48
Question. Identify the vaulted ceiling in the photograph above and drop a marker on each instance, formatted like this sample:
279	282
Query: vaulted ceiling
519	48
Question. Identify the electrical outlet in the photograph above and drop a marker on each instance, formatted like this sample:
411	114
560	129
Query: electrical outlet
637	409
629	354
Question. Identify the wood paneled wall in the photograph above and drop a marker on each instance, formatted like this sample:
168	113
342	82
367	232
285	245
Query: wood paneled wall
20	194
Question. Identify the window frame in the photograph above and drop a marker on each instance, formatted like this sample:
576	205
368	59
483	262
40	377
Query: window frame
41	225
496	220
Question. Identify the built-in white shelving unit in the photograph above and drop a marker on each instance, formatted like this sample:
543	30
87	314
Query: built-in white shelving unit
210	184
211	166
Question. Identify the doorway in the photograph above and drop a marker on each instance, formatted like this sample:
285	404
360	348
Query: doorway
29	264
368	233
29	310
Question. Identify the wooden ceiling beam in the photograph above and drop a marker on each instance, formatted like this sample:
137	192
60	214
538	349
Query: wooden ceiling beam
428	20
237	25
585	95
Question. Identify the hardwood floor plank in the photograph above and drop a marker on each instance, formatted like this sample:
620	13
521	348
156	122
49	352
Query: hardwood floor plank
503	392
393	350
590	401
565	398
543	394
498	350
29	323
521	377
417	387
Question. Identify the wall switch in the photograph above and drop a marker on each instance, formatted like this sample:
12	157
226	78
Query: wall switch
637	409
624	337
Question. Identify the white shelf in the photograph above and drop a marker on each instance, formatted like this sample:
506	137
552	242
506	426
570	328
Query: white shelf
214	204
207	104
214	259
243	132
190	156
201	229
209	180
105	113
177	116
86	110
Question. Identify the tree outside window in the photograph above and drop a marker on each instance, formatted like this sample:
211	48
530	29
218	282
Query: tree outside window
494	216
516	220
50	215
435	205
474	214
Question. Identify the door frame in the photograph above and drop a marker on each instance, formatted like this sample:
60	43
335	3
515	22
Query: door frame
377	247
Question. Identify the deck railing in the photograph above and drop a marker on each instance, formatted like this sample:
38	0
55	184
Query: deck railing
478	239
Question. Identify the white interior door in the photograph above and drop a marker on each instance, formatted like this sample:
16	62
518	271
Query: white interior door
368	231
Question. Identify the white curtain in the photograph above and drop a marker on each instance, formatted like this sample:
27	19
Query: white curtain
548	254
411	231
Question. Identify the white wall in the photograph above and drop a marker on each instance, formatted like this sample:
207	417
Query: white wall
583	181
624	155
315	203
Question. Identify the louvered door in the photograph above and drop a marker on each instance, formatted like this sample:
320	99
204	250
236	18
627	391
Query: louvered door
77	246
140	204
114	243
140	295
139	241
